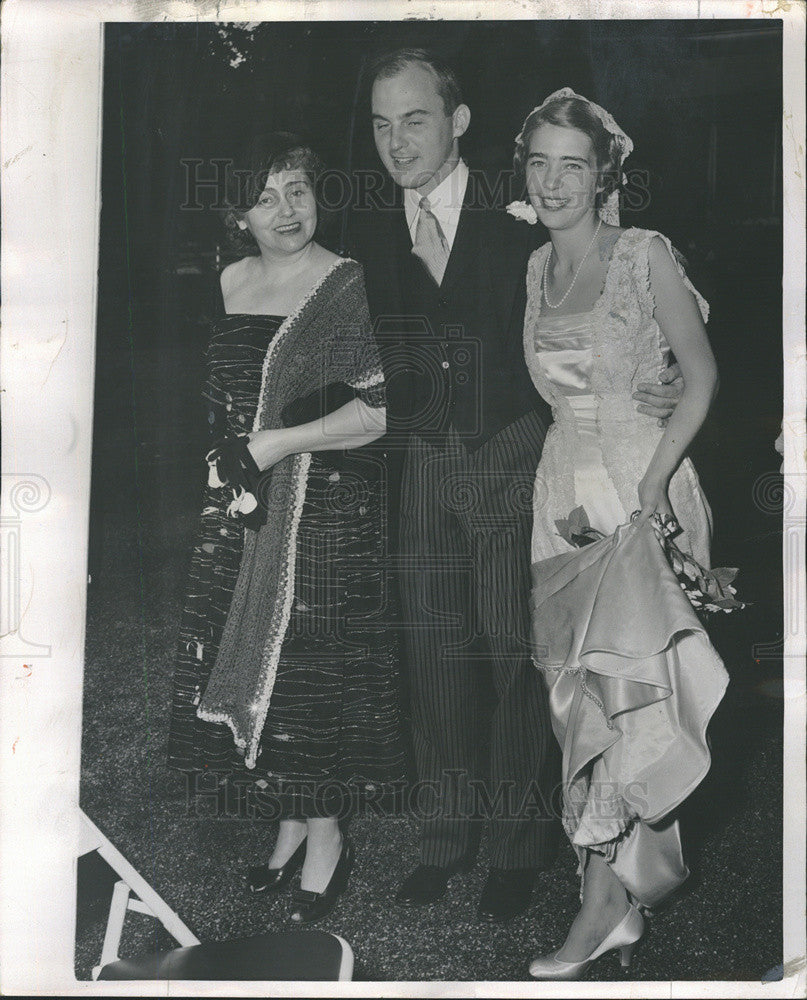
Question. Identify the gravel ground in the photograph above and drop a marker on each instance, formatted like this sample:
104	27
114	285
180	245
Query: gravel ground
727	925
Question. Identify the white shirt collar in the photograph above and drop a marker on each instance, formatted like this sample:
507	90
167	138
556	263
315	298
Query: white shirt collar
445	201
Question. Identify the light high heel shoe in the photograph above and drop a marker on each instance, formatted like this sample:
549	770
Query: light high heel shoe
624	936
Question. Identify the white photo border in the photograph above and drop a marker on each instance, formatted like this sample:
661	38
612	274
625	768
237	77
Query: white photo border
52	75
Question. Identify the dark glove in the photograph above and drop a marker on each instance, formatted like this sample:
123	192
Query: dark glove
232	465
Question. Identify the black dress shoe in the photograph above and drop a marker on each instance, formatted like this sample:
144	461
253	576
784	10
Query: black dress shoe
262	878
506	894
310	906
427	883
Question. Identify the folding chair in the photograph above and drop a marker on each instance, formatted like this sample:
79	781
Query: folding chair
284	956
131	881
305	955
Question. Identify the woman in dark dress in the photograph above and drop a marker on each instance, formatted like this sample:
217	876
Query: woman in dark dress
280	672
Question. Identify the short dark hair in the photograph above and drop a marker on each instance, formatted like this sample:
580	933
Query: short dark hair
389	64
573	112
248	171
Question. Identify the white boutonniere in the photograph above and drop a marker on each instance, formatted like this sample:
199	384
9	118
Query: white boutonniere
522	210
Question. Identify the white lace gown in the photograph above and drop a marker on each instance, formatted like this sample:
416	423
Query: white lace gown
587	367
563	348
632	676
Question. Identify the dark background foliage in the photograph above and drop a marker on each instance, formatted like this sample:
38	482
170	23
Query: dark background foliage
701	101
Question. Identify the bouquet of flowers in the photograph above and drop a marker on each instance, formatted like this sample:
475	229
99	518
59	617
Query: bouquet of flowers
231	464
708	590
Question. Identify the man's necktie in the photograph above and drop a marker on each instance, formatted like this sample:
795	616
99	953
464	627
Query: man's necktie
430	243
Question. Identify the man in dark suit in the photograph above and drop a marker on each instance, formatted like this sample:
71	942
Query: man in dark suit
445	272
445	283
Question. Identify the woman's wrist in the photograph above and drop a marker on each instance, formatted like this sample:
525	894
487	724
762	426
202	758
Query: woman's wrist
268	447
653	491
655	481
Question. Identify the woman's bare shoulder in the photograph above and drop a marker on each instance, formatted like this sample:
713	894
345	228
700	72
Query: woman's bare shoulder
328	255
234	274
325	258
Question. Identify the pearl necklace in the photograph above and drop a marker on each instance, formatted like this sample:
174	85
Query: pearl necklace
557	305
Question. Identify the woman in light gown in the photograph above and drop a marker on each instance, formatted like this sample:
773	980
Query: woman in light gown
633	679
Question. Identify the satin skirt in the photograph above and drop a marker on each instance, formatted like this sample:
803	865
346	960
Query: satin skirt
633	681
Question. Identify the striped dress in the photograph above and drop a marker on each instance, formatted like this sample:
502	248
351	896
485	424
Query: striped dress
333	720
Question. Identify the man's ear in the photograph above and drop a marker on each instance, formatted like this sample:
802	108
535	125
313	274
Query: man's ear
241	224
461	120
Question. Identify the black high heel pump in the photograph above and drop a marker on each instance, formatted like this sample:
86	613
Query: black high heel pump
262	878
311	906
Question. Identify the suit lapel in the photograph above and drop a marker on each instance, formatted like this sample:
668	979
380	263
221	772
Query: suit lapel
498	262
466	246
401	242
417	286
394	250
467	252
464	250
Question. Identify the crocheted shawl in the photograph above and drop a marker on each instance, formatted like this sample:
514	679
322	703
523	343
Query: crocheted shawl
327	339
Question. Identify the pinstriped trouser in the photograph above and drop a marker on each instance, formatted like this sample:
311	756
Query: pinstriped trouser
466	520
